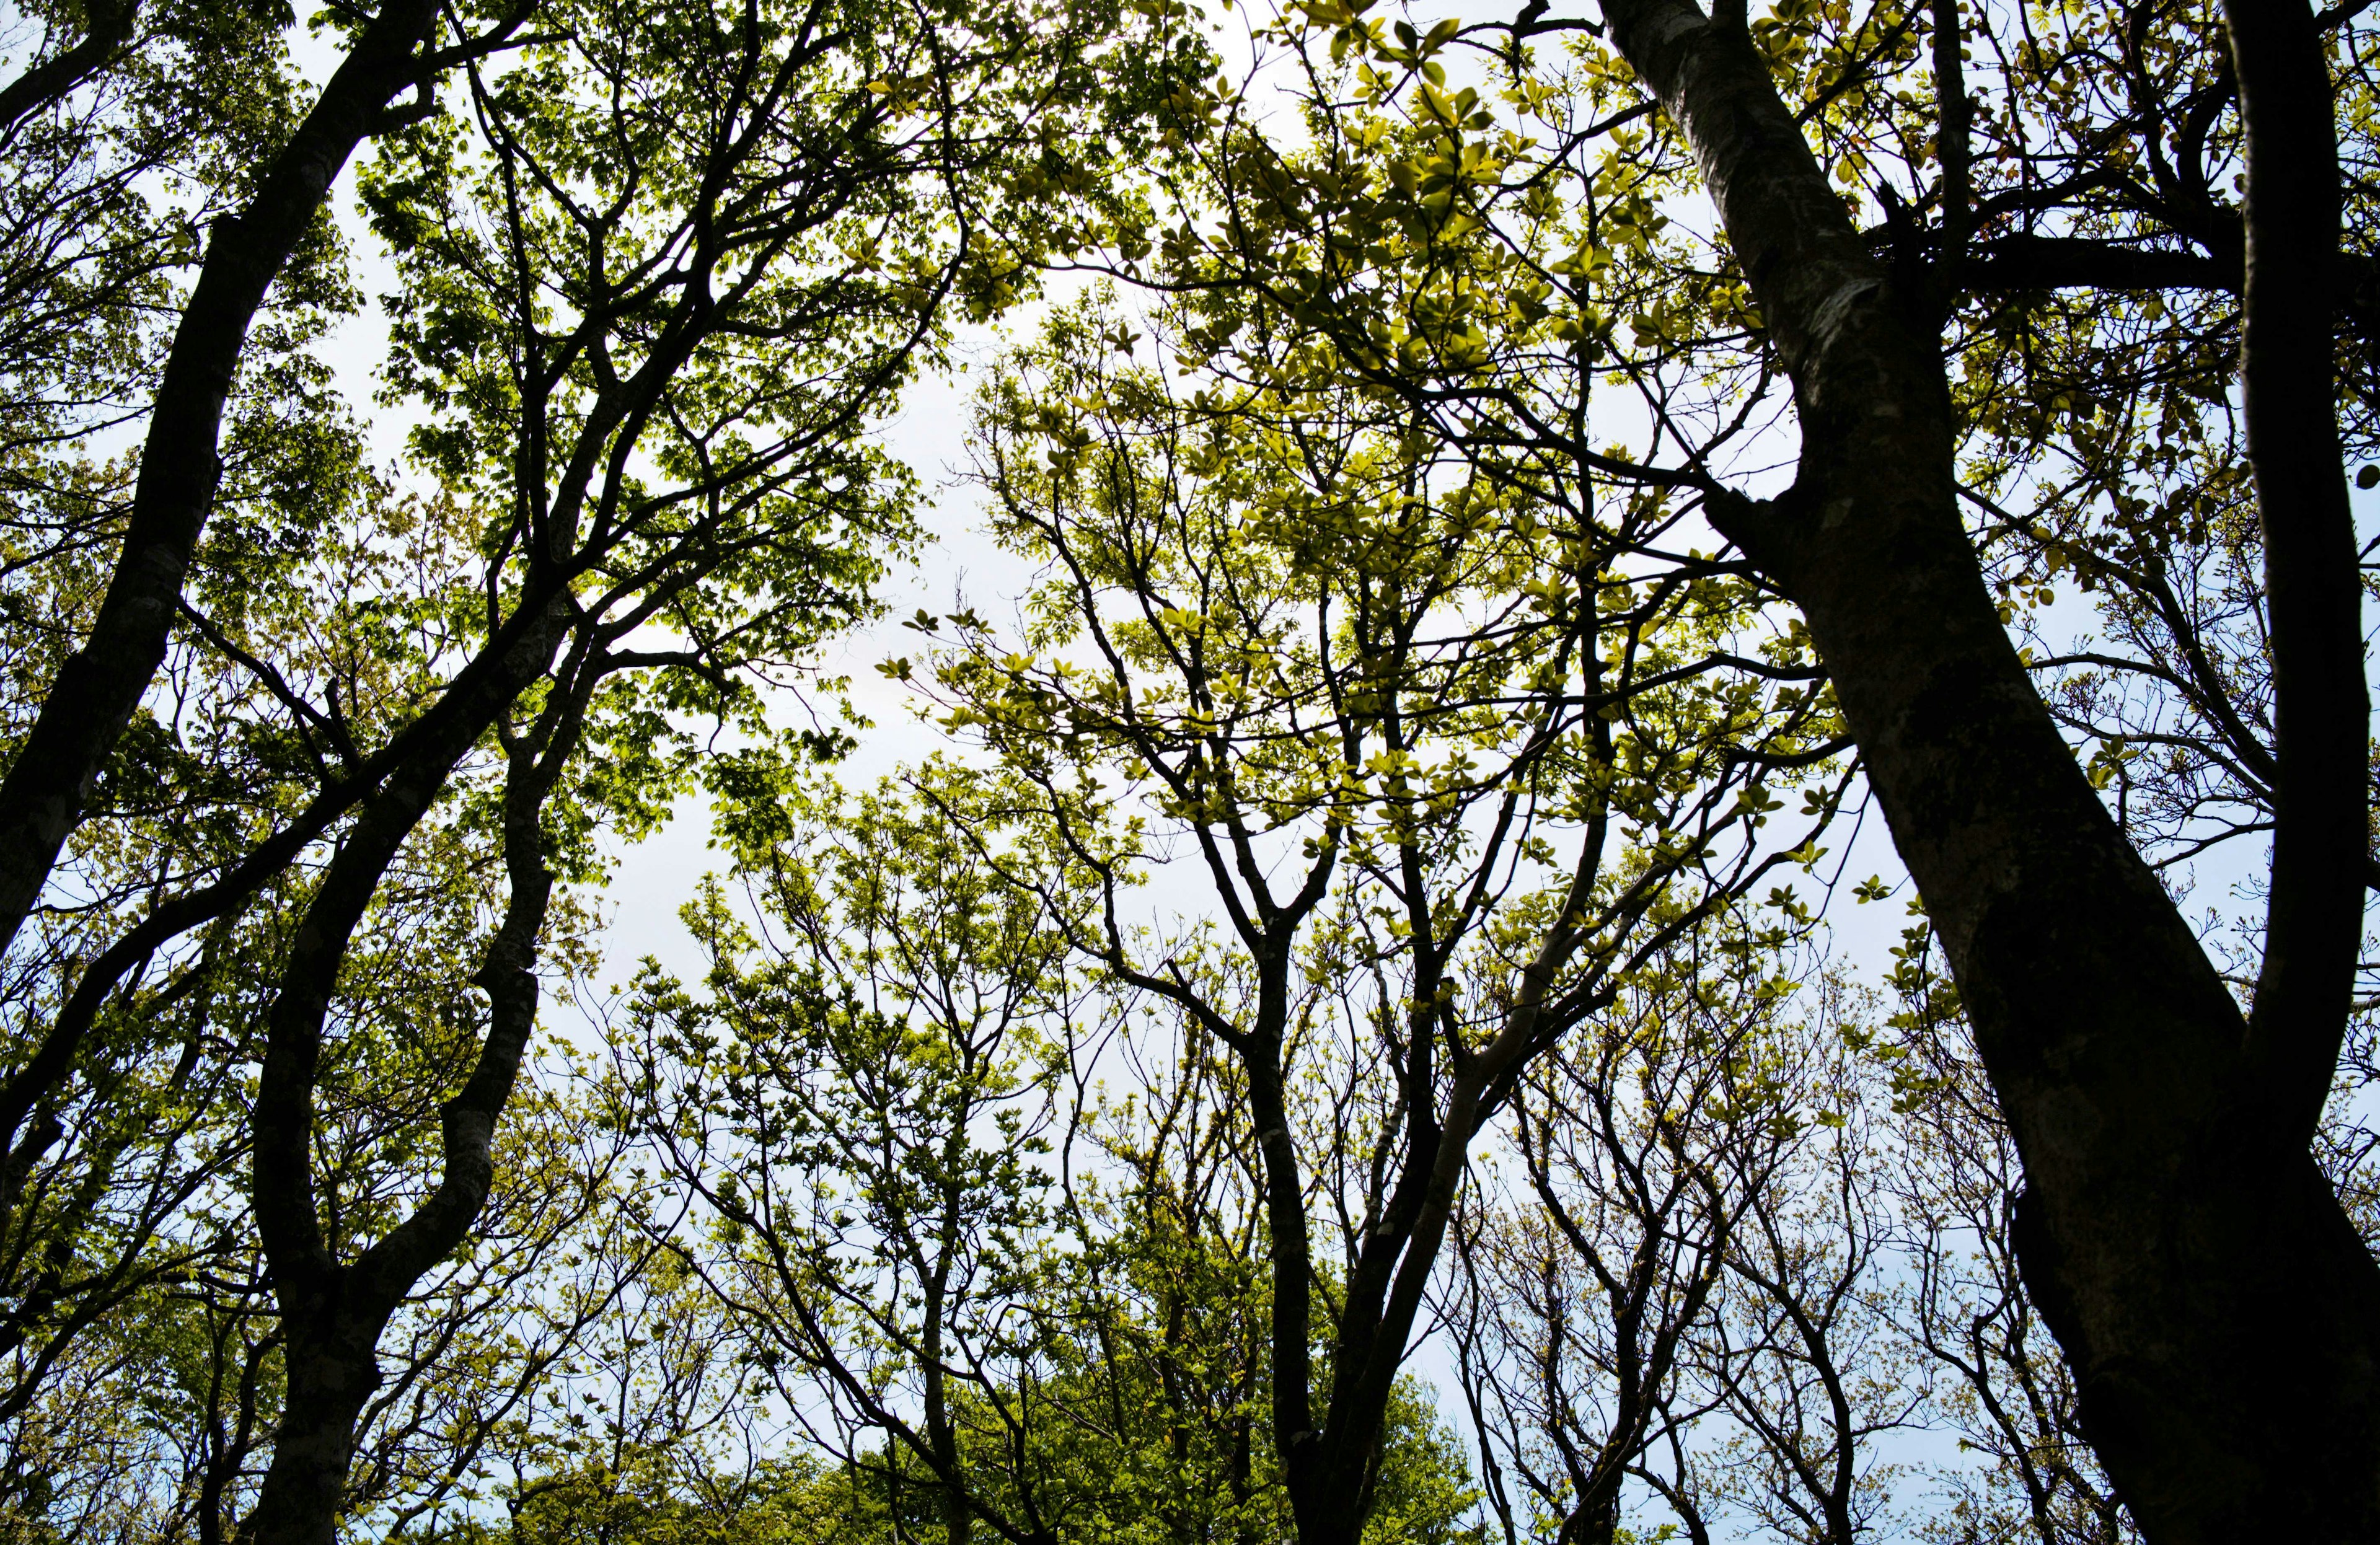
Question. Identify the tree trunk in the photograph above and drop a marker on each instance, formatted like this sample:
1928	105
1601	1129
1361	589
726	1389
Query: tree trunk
2222	1318
332	1312
331	1372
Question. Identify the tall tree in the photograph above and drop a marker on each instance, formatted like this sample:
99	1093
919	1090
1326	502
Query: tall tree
1451	773
85	707
660	319
2178	1234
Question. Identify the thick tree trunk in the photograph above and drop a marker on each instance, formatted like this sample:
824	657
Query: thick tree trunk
332	1372
332	1314
2221	1316
102	683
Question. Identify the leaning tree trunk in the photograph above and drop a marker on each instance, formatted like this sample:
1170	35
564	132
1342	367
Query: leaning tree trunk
2222	1316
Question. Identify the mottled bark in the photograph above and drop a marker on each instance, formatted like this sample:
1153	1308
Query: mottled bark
95	692
2222	1318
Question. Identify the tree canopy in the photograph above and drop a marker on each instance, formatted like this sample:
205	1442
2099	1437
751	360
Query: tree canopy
1361	1002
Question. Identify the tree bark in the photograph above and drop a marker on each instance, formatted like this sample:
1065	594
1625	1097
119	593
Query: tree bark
97	690
2222	1318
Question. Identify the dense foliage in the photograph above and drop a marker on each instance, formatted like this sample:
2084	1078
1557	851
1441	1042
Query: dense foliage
1362	1021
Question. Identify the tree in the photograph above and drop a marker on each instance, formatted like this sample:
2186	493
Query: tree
1002	1299
660	319
653	332
84	709
2176	1222
2175	1226
1451	775
857	1107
